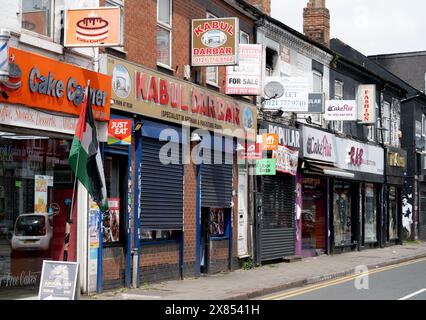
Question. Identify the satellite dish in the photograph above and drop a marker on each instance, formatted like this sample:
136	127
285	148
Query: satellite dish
274	90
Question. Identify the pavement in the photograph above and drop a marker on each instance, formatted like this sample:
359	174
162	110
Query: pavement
268	279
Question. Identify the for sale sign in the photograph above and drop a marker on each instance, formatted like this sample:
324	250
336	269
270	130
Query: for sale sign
120	132
215	42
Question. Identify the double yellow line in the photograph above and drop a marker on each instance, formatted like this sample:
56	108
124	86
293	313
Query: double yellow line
335	282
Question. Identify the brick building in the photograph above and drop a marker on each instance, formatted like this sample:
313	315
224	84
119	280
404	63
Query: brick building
182	217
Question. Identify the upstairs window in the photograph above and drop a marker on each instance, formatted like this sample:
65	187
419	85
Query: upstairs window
37	16
164	33
338	95
386	122
212	73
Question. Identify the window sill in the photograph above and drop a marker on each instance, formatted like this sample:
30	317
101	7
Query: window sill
158	243
165	66
113	245
212	84
41	42
219	238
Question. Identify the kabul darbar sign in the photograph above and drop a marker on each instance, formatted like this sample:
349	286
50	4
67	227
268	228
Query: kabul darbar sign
150	93
215	42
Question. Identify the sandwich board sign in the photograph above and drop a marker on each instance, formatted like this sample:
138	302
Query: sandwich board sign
58	280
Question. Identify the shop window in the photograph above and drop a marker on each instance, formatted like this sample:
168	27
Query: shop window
342	214
36	188
37	16
393	214
370	206
218	223
164	33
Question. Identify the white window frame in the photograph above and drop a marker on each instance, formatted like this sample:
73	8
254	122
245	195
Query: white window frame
386	122
316	117
244	34
36	34
338	125
371	135
423	125
119	3
213	70
169	28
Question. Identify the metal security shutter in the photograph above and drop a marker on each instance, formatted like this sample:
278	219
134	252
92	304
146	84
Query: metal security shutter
278	232
216	183
161	189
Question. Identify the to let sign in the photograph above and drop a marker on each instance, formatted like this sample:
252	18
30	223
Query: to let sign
215	42
120	132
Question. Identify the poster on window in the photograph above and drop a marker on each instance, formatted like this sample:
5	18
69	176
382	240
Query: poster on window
94	213
216	222
111	222
287	160
41	183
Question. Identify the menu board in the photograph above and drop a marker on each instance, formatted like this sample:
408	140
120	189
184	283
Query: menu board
58	280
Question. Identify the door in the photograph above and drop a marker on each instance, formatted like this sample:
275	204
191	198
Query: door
422	216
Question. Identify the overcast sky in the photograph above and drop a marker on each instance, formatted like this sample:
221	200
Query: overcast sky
370	26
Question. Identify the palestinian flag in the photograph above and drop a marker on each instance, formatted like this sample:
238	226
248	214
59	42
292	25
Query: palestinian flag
85	158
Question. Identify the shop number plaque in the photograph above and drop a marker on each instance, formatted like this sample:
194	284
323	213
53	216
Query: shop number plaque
58	280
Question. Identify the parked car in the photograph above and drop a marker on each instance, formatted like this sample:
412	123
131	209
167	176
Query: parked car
33	231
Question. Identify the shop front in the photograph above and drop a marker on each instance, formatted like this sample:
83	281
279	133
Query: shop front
363	195
396	168
324	190
277	219
185	173
38	197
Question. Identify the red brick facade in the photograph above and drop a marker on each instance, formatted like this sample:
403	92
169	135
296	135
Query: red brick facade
161	262
316	21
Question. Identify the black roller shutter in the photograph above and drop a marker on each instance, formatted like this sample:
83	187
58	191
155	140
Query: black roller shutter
278	232
216	182
161	189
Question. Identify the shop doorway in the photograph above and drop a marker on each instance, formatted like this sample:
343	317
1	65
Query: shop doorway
422	216
314	192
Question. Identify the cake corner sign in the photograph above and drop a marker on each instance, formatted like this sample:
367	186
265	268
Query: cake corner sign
98	27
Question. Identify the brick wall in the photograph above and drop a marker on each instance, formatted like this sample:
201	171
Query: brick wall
114	267
159	262
262	5
316	22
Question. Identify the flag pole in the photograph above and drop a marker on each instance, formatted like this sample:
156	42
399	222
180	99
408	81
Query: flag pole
70	212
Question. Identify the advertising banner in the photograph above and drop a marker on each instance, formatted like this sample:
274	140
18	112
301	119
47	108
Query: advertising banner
319	145
215	42
287	136
360	157
246	78
366	102
111	221
287	160
44	83
341	110
58	280
41	183
120	132
295	97
98	27
155	95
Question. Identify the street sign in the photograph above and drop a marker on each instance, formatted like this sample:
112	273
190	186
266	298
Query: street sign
58	280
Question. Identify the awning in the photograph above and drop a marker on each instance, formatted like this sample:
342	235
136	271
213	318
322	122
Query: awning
330	170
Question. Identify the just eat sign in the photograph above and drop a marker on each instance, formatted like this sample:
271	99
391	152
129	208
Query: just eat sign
120	131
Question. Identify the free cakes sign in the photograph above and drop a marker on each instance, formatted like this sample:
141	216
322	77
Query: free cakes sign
100	27
215	42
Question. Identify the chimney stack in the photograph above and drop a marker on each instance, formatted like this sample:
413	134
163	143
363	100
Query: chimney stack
316	22
262	5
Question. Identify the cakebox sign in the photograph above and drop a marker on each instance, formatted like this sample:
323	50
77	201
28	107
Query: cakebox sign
319	145
215	42
341	110
98	27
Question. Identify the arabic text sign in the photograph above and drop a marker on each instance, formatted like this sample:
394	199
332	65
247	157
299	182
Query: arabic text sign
58	280
287	160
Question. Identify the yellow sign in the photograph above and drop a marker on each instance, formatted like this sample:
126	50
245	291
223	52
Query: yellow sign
396	160
146	92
